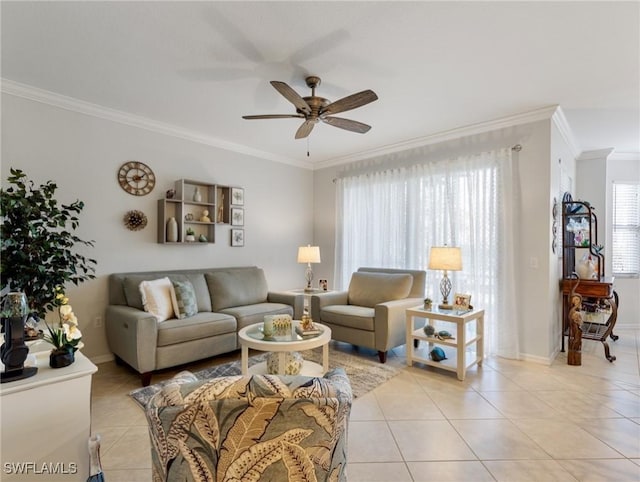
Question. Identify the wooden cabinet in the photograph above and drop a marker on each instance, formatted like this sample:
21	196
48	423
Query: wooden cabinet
197	207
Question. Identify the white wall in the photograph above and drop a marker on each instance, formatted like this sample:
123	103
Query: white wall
82	155
537	314
628	289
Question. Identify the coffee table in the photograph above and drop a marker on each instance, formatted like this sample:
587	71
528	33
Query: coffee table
251	337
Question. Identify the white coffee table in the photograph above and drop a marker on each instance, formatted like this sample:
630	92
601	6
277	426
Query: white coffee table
251	337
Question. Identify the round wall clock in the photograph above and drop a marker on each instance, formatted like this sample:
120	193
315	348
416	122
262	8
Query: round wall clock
136	178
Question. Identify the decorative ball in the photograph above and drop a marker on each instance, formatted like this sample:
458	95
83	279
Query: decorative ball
429	330
135	220
292	365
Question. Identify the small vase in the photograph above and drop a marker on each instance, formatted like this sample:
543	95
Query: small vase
172	230
197	197
61	358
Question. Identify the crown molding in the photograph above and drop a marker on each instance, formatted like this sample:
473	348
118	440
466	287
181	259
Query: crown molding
560	121
75	105
542	113
595	154
624	156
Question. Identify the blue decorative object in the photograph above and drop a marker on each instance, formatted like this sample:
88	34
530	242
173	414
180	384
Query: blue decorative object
438	354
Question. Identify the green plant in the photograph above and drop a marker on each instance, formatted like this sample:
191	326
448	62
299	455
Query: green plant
190	232
37	242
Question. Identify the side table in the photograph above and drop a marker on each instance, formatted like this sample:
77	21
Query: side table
307	295
464	351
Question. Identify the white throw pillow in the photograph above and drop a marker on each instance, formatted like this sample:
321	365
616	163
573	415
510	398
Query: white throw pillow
159	298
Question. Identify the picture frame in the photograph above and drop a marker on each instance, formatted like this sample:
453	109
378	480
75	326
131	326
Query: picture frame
237	196
461	302
237	238
323	285
237	216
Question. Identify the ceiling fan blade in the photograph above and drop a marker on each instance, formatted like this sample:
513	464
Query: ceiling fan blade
292	96
350	102
272	116
305	129
347	124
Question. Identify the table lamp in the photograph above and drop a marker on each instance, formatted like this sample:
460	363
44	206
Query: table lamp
447	259
308	254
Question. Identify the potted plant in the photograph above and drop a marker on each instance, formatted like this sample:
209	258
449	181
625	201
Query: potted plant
428	303
191	235
65	337
37	242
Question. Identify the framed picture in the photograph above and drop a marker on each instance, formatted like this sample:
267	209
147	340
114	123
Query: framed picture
237	196
322	284
461	302
237	216
237	237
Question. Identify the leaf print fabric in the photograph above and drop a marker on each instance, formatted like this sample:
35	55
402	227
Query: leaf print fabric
251	428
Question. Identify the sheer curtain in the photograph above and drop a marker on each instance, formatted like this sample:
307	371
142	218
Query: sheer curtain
392	218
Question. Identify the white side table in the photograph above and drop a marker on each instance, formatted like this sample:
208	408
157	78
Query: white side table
251	337
307	295
464	351
46	419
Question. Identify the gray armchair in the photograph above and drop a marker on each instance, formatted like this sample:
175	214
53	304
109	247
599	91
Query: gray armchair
371	313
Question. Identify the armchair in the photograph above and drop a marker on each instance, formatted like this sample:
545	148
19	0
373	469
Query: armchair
371	313
260	427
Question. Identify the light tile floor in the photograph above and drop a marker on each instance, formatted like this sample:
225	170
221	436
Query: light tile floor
508	421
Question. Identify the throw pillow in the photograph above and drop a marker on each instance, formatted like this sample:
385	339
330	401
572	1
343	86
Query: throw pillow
158	298
186	305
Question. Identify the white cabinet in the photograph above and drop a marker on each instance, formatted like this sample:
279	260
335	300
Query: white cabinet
46	423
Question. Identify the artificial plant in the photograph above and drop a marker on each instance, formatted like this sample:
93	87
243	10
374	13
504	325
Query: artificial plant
37	242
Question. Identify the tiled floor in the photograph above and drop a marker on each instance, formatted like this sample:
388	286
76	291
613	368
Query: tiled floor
508	421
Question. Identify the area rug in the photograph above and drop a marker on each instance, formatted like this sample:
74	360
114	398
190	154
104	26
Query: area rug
364	374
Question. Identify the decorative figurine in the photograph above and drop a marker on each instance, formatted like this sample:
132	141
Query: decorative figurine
205	217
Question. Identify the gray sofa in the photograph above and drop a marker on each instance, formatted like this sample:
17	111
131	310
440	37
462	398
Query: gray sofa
228	299
371	313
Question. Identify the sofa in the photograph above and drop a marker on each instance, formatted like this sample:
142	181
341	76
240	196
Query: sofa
223	300
371	313
260	427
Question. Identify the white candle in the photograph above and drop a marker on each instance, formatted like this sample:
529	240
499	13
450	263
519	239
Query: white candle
268	325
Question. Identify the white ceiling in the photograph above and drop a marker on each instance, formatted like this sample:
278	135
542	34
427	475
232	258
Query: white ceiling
436	66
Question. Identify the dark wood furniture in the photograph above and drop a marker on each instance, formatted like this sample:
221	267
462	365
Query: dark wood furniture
599	300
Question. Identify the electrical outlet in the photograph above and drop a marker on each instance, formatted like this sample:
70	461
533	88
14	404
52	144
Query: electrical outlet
98	321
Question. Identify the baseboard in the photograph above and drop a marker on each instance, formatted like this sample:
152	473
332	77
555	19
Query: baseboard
102	359
541	360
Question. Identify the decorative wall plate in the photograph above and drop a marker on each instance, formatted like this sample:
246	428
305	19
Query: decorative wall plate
135	220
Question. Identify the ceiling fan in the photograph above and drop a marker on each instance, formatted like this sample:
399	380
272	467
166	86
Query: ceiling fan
314	109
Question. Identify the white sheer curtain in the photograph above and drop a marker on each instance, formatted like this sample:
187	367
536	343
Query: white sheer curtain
392	218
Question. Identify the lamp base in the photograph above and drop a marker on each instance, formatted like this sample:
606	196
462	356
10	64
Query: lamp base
444	306
19	374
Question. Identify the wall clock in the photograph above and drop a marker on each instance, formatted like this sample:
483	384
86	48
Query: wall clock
136	178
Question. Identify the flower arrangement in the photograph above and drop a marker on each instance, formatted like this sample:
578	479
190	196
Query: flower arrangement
66	336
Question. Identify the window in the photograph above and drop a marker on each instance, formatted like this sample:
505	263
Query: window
626	229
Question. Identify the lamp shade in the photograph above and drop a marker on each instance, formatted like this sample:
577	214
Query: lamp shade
446	258
309	254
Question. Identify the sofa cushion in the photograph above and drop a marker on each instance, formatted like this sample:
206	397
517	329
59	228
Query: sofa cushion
236	287
349	316
369	289
250	314
186	299
158	298
202	325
